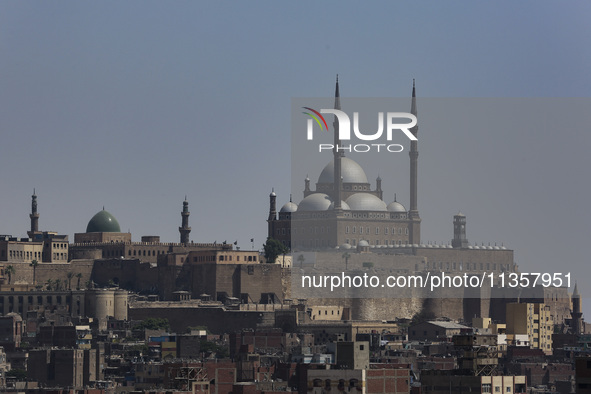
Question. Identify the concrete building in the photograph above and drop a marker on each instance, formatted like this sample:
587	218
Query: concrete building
352	354
374	380
533	320
435	330
445	382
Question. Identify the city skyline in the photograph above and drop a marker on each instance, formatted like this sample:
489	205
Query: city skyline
133	110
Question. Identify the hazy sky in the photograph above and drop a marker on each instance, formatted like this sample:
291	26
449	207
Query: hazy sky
133	105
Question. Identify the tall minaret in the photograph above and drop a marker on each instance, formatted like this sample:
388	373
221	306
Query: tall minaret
337	155
577	313
34	216
185	229
272	214
413	214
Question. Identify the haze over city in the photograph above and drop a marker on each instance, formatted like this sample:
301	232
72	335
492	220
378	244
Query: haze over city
134	105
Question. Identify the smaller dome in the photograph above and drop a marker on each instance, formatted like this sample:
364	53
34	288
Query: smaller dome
345	246
395	206
103	222
315	202
344	206
363	243
365	202
289	207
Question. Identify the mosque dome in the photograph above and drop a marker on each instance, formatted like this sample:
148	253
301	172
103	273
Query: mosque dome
351	172
366	202
103	222
344	206
315	202
289	207
395	206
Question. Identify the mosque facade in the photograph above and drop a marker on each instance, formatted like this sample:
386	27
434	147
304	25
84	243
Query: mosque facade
350	213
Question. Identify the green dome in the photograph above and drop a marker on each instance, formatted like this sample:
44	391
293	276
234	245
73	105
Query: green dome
103	222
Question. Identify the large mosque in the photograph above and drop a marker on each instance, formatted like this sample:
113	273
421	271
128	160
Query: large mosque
350	213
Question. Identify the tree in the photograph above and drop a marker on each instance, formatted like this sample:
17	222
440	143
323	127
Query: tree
34	264
153	323
301	260
346	256
58	284
70	275
273	248
49	284
10	270
78	276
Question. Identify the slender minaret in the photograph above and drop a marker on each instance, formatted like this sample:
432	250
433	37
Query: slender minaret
272	213
337	155
185	229
34	216
413	214
379	187
577	313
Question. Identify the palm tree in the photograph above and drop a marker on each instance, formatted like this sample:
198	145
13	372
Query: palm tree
58	284
78	276
346	256
10	270
70	275
34	264
49	284
301	259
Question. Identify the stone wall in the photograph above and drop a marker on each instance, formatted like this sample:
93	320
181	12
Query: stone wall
55	271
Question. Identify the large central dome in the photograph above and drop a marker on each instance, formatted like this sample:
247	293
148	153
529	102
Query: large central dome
351	172
103	222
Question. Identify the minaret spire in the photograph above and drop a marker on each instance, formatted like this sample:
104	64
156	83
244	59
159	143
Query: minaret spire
34	216
577	313
185	229
337	181
413	214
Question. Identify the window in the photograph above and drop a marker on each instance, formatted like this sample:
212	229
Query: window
347	230
486	388
377	230
497	389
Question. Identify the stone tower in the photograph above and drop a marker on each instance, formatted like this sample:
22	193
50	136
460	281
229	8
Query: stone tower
34	216
413	214
460	240
185	230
